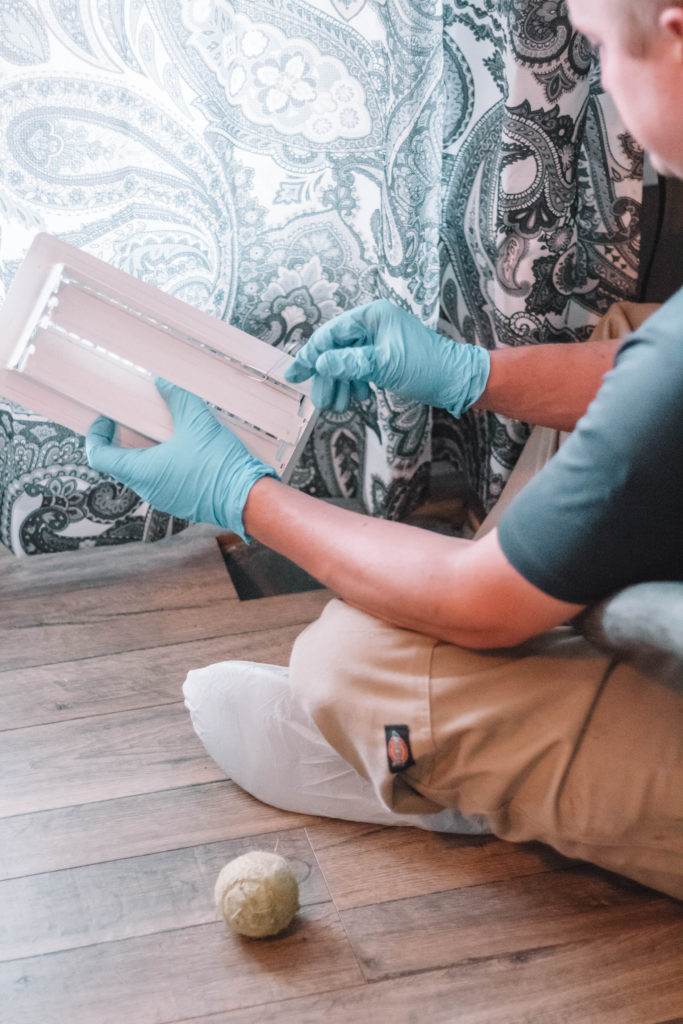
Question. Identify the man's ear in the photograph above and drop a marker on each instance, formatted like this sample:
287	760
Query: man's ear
671	24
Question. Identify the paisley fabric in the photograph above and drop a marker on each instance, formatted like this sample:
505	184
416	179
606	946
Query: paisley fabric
542	191
274	162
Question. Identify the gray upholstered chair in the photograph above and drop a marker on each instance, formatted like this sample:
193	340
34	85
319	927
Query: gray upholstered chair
642	624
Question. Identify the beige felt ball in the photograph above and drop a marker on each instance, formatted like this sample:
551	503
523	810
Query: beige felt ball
257	894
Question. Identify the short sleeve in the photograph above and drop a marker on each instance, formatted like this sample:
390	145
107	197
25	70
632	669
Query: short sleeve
606	511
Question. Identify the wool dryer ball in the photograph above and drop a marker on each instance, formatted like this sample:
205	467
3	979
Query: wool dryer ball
257	894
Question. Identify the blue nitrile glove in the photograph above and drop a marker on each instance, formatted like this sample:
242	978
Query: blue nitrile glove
385	345
203	472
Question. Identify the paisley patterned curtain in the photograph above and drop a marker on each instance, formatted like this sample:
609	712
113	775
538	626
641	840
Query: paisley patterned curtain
275	162
542	189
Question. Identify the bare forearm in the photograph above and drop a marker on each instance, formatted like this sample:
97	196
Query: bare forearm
460	591
380	566
547	385
441	586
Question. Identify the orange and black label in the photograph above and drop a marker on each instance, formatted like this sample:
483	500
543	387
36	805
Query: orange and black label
399	754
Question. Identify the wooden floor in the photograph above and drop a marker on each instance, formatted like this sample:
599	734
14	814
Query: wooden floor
114	824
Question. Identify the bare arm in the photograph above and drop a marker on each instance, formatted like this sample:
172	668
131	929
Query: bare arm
464	592
547	385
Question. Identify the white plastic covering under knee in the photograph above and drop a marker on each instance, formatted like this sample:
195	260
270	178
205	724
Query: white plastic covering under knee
250	723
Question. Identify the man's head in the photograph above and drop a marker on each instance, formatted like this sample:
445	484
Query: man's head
641	57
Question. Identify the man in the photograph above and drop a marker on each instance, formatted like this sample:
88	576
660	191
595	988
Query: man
445	678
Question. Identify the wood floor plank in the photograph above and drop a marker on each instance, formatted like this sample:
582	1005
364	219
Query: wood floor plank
55	574
121	899
370	864
69	641
501	918
182	973
128	680
150	591
117	823
100	758
632	978
133	826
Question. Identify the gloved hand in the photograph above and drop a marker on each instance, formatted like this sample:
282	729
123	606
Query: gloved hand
382	343
203	472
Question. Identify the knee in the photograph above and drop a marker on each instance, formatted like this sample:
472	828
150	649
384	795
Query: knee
621	318
324	653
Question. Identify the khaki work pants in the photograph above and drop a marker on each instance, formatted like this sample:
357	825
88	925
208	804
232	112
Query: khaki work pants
551	741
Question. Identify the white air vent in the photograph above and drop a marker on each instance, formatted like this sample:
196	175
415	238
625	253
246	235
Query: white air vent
79	337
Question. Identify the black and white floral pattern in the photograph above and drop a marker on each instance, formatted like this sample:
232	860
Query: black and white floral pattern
274	162
541	211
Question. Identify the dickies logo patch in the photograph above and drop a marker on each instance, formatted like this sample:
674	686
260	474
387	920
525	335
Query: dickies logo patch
399	754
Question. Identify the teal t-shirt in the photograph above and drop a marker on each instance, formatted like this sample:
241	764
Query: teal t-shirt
607	510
